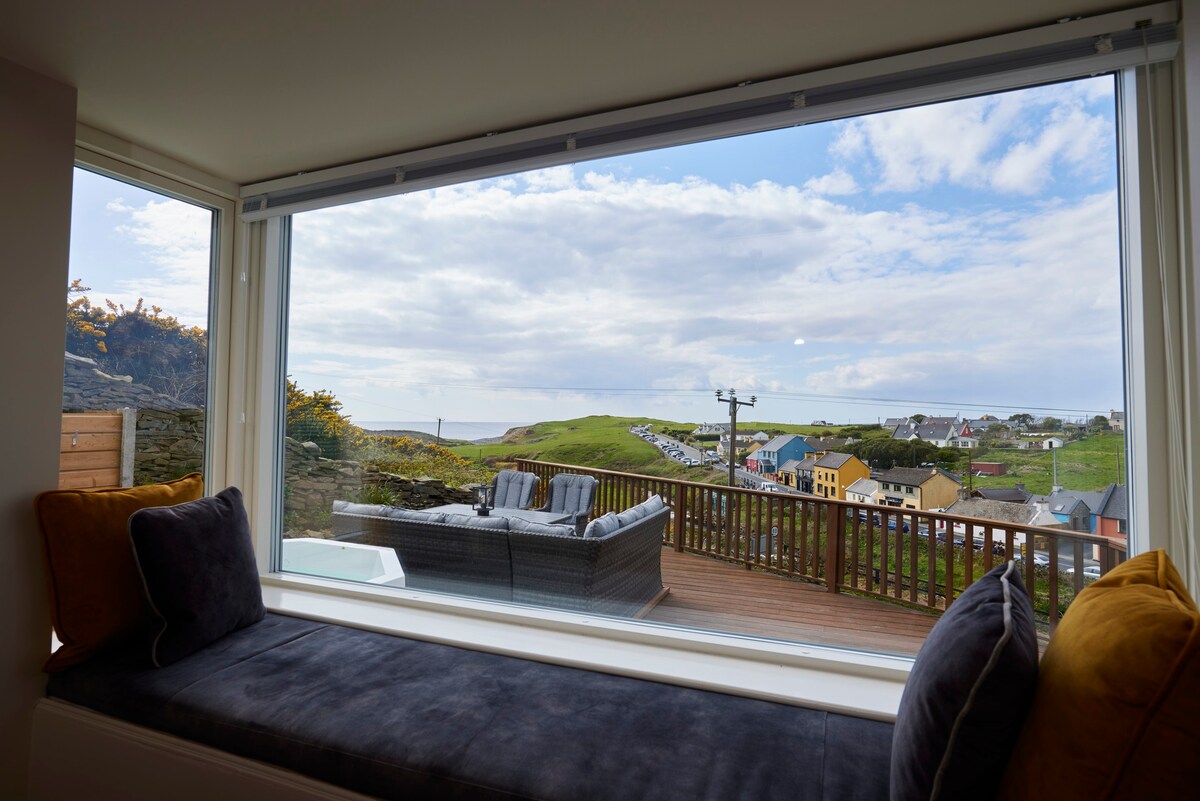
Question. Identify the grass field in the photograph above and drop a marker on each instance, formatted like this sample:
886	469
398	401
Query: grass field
598	441
604	442
1089	464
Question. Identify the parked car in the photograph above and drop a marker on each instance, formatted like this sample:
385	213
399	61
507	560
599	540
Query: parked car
862	516
1090	572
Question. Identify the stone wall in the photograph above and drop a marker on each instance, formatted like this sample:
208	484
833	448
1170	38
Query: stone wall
168	444
312	483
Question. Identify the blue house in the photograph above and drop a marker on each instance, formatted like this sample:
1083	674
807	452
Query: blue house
779	450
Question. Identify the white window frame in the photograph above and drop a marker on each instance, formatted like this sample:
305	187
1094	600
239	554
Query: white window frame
863	683
107	155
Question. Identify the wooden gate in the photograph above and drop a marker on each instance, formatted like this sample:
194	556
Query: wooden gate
96	449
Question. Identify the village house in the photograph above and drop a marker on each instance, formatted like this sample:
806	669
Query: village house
771	456
834	472
917	488
865	490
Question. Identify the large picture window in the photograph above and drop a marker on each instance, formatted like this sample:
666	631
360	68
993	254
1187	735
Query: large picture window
929	297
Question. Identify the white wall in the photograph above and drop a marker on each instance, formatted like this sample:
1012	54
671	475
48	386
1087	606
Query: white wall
37	146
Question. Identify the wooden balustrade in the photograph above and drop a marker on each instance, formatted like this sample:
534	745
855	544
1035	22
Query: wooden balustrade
908	556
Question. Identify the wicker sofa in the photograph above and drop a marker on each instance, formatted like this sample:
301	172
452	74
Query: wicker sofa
616	574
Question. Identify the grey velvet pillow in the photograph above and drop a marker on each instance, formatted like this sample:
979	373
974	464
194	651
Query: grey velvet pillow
529	527
198	568
968	694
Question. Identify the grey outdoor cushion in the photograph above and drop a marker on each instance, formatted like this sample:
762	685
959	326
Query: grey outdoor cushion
529	527
383	510
571	494
602	526
478	521
643	509
512	489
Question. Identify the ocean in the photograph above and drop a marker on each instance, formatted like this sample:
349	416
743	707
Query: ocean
472	430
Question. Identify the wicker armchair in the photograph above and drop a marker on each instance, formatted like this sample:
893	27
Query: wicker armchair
513	489
568	493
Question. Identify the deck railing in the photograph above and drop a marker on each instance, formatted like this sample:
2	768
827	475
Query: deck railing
910	557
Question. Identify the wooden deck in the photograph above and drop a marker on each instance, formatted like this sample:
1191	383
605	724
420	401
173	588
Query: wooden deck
707	593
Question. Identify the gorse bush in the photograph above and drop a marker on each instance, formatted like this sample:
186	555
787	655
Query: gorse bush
316	416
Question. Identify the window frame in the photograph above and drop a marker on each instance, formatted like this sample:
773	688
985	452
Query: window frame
638	647
101	154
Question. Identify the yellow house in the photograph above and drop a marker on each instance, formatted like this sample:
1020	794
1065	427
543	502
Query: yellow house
918	488
834	472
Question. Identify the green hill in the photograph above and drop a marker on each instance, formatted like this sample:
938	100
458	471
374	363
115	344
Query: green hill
1088	464
598	441
604	442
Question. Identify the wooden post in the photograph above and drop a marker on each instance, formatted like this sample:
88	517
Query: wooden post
835	545
128	445
680	493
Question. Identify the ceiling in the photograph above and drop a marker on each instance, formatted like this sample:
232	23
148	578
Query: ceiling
254	90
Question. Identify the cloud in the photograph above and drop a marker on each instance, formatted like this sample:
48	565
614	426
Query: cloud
617	282
838	182
1010	142
175	238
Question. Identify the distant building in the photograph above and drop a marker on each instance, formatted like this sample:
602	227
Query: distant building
1102	512
1050	443
822	444
771	456
788	474
834	472
1112	518
1015	494
989	468
865	490
1116	420
709	429
941	432
917	488
804	473
1003	512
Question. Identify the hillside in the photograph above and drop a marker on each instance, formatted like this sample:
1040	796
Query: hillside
604	442
1088	464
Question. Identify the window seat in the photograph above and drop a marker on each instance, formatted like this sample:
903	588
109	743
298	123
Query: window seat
399	718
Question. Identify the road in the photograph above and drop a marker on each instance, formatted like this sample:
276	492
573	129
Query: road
755	480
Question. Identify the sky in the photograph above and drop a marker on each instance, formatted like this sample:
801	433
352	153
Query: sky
954	258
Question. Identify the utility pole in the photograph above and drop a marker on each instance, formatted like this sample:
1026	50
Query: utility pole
439	433
734	403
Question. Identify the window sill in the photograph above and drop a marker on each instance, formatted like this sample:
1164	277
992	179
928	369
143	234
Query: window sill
850	682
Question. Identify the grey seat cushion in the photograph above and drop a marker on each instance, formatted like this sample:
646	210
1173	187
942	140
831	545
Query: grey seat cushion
399	718
571	494
513	489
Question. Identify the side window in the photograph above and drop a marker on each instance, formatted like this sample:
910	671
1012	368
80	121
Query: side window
135	371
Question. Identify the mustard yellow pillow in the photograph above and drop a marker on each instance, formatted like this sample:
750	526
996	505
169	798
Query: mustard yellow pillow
96	593
1116	714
